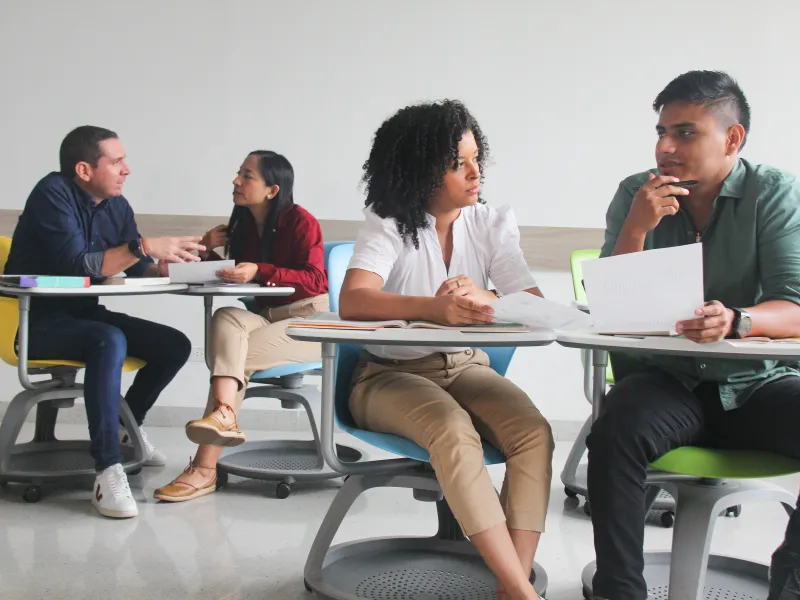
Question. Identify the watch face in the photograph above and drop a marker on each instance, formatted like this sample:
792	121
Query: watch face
745	324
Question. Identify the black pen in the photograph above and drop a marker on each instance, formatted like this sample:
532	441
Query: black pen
689	183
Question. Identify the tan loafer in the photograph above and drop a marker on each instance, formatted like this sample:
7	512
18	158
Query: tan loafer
180	491
216	429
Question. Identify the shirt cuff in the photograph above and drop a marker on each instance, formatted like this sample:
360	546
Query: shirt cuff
93	264
266	272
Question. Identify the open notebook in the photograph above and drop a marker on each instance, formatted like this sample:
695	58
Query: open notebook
332	321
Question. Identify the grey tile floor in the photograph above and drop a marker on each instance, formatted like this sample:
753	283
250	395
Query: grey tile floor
242	543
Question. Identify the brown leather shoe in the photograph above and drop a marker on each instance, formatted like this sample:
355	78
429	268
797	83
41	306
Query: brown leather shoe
217	429
181	491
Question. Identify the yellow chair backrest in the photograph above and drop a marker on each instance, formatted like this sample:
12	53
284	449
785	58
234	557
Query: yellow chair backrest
9	312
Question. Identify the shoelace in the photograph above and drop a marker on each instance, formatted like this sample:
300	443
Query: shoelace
148	447
235	423
118	482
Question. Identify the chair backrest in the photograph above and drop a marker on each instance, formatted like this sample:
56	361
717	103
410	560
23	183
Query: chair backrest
575	262
5	250
347	358
337	259
9	312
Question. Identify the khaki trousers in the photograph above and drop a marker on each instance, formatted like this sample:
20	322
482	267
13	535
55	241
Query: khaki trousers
242	343
446	403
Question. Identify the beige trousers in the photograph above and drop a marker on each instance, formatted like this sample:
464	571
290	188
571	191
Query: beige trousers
446	403
242	343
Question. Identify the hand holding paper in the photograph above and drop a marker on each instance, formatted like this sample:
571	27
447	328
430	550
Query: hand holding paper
645	292
198	272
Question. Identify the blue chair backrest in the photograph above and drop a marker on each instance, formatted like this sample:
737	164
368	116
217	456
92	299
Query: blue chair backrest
347	358
337	259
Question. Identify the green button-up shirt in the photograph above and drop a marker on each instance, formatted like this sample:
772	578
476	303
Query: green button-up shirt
751	254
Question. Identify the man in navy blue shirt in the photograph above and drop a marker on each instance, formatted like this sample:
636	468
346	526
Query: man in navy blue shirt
76	222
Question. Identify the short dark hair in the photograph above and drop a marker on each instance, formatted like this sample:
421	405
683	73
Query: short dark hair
82	144
411	153
716	90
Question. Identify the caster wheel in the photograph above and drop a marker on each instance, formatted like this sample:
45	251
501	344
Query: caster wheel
667	519
587	508
734	511
283	490
135	471
570	492
222	478
32	495
305	584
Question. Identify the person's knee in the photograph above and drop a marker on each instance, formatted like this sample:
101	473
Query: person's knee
110	342
225	317
532	434
180	346
622	427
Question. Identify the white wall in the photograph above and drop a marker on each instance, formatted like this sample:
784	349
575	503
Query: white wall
562	90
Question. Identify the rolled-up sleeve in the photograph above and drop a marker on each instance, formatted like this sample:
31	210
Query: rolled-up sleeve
61	235
377	247
508	270
779	242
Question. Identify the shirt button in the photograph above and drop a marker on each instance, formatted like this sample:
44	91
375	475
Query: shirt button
469	352
703	366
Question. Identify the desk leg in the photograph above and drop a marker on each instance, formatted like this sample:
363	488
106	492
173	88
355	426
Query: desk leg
208	309
599	366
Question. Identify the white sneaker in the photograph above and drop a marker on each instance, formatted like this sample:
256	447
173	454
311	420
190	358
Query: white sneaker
152	457
112	495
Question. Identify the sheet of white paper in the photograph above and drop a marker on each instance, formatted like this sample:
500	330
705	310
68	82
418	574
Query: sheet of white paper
538	313
645	291
198	272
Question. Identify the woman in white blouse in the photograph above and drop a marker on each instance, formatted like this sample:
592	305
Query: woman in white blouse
428	250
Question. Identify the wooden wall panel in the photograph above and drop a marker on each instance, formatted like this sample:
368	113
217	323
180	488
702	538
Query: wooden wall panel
545	248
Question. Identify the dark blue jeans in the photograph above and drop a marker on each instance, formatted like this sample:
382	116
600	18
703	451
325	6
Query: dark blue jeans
646	415
102	339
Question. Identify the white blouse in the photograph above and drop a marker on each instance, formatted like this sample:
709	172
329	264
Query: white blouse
485	247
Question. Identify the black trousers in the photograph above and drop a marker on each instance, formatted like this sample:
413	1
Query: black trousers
647	414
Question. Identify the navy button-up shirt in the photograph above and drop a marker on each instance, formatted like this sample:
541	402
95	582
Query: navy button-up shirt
61	231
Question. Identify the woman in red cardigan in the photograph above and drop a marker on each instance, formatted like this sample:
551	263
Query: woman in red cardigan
274	242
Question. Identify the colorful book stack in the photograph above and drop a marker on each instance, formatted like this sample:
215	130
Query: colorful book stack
44	281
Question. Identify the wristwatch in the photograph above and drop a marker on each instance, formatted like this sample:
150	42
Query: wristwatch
135	247
742	323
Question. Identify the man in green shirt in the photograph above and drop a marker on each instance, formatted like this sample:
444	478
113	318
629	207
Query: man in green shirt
747	217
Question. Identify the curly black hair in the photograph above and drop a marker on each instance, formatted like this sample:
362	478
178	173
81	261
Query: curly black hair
411	153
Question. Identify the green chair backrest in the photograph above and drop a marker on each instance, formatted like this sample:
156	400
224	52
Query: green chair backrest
576	267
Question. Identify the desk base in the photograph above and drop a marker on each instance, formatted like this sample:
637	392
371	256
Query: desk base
409	569
728	578
285	461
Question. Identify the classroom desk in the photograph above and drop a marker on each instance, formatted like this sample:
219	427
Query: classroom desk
46	459
735	577
408	567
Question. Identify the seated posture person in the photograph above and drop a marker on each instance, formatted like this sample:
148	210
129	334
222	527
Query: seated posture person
274	242
427	251
76	222
746	216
